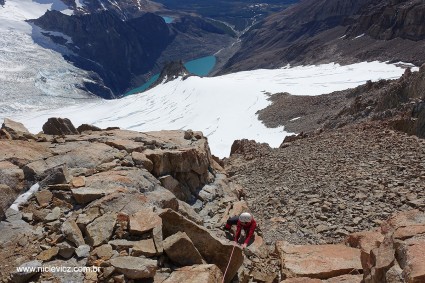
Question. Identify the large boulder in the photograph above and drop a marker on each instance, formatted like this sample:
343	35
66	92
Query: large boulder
318	261
59	126
135	267
206	273
16	130
180	249
212	249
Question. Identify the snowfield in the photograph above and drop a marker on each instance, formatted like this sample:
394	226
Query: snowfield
223	108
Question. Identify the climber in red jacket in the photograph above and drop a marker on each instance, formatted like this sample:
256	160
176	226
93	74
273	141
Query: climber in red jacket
245	221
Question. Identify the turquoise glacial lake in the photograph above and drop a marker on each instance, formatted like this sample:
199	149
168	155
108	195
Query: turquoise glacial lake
168	20
200	67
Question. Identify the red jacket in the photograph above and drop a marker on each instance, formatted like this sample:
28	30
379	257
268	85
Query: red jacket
249	230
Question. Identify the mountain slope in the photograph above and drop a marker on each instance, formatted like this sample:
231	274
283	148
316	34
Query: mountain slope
335	31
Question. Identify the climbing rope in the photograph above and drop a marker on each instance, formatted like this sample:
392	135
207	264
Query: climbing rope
230	259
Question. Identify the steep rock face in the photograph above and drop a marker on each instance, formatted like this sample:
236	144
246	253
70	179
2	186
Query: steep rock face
111	212
386	20
116	50
125	9
335	31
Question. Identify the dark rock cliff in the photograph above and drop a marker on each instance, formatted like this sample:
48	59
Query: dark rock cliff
116	50
343	31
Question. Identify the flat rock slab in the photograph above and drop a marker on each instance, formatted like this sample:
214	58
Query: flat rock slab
100	230
144	221
135	267
318	261
206	273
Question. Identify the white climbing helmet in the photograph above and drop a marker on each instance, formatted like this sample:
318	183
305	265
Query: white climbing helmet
245	217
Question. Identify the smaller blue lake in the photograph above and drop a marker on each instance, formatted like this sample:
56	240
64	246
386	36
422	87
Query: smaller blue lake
200	67
168	20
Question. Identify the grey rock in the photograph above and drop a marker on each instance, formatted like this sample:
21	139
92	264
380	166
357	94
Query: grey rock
83	251
100	230
72	232
22	277
54	215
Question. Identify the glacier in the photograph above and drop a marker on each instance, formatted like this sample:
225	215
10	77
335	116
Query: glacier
224	108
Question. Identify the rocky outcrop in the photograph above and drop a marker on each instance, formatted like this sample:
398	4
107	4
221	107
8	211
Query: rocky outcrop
401	254
325	31
59	126
96	205
14	130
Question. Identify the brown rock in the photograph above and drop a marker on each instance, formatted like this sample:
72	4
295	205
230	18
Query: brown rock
413	260
366	240
404	233
145	248
135	267
85	195
78	182
144	221
44	197
11	175
87	127
129	179
72	232
318	261
48	254
127	145
59	126
103	251
301	280
141	159
100	230
181	250
345	279
175	187
15	129
206	273
210	248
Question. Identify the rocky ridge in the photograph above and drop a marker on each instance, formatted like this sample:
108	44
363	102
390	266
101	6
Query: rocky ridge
121	201
312	32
